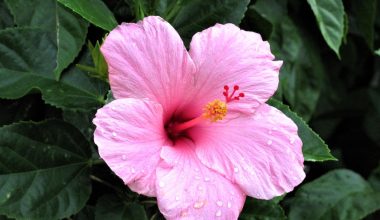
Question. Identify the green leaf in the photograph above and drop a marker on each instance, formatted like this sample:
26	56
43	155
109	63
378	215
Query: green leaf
111	207
339	194
255	209
374	179
68	31
302	72
207	14
6	19
363	19
94	11
377	52
100	69
314	148
44	170
25	67
330	19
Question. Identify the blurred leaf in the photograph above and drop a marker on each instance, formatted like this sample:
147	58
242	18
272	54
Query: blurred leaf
301	74
314	148
94	11
272	10
111	207
207	14
372	117
374	179
68	31
372	126
141	8
87	213
339	194
43	171
6	19
25	66
255	209
377	52
330	19
363	19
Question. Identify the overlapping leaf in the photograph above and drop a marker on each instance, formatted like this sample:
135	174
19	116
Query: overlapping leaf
94	11
301	74
339	194
43	170
68	31
25	66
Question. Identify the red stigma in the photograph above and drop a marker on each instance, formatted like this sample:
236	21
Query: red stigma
231	97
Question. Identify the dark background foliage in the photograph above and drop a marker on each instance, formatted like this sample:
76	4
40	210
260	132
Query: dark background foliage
53	78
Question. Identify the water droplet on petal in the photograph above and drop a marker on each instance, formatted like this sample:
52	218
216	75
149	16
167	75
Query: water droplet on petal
200	188
133	170
161	184
124	157
236	169
229	204
114	134
218	213
197	177
219	203
207	179
177	198
269	142
113	107
198	204
270	132
196	169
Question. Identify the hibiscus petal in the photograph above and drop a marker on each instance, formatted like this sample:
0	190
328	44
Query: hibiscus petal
187	189
262	152
226	55
129	135
148	60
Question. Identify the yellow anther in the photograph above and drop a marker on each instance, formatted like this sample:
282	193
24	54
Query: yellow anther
215	110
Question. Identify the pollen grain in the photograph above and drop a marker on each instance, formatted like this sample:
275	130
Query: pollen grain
215	110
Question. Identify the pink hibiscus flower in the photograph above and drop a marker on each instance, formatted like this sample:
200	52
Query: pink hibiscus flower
192	127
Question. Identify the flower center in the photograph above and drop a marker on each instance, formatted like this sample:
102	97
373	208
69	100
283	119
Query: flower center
214	111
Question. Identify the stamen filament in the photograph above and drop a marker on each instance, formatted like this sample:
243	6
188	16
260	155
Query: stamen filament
177	128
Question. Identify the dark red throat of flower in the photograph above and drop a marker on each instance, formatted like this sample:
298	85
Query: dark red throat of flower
231	97
213	111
